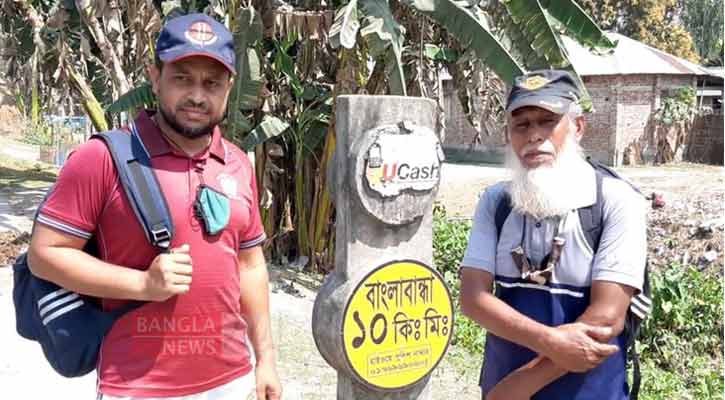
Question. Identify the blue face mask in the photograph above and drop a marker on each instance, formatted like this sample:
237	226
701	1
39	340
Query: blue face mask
212	208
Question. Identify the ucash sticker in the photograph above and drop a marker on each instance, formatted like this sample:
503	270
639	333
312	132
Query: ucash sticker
397	325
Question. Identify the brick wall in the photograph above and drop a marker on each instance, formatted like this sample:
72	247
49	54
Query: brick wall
460	135
624	105
705	144
601	125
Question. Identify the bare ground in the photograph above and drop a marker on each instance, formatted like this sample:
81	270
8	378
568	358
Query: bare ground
691	223
688	230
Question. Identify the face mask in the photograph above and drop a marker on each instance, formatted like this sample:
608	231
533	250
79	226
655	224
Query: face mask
212	208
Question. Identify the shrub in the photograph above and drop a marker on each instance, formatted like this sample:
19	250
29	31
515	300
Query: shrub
450	238
681	343
681	348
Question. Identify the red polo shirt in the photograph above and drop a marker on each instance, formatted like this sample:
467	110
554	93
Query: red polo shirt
191	342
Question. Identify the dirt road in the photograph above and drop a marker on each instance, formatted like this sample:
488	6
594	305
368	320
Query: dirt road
693	192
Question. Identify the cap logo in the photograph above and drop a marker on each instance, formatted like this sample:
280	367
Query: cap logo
534	82
228	185
201	34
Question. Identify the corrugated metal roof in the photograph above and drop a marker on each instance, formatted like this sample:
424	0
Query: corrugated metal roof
716	71
629	57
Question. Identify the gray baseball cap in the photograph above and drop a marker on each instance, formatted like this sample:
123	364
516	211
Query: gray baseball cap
550	89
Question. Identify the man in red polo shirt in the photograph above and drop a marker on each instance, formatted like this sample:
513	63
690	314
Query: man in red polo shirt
211	289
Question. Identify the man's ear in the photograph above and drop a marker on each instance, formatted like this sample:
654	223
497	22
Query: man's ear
154	76
581	124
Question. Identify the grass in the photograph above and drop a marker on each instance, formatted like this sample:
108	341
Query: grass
681	347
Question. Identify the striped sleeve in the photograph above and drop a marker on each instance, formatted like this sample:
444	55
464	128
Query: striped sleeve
254	234
79	194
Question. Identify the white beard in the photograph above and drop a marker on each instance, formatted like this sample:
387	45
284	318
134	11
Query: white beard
543	191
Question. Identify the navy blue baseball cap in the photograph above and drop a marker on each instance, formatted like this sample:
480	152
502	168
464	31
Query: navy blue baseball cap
196	35
550	89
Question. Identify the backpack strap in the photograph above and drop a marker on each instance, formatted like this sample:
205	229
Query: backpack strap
591	217
640	307
636	374
503	209
603	169
139	181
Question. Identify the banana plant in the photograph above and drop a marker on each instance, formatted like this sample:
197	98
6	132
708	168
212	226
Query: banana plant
309	112
246	28
472	32
93	108
383	35
538	26
244	96
140	96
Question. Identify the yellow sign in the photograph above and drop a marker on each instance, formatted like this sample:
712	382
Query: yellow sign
534	82
397	325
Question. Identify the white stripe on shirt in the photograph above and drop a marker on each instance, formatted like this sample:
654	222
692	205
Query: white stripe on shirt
63	227
541	287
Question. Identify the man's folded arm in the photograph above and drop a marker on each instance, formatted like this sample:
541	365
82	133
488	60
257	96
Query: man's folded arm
608	309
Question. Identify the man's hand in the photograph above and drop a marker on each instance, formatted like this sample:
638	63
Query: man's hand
576	347
169	274
268	386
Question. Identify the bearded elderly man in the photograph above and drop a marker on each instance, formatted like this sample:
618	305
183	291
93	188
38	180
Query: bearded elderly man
555	321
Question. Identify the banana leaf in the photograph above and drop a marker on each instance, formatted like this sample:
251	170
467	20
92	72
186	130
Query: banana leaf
138	97
247	31
284	64
471	33
437	53
270	127
385	37
343	31
532	21
579	25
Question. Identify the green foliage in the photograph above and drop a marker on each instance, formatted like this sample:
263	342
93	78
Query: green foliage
536	26
677	109
681	342
343	31
704	20
450	238
653	22
437	53
580	25
704	380
472	33
385	38
270	127
680	346
40	134
284	63
247	32
686	316
140	96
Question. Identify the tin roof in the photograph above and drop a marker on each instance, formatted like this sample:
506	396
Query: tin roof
629	57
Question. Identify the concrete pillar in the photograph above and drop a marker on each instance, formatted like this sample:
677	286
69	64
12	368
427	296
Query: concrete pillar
383	318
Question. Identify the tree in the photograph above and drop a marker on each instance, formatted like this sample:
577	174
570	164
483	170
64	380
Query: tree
704	20
653	22
608	14
293	63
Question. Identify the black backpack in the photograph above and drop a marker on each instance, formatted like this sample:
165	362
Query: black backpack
69	326
591	219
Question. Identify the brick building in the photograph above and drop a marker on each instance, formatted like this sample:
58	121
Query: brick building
627	87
